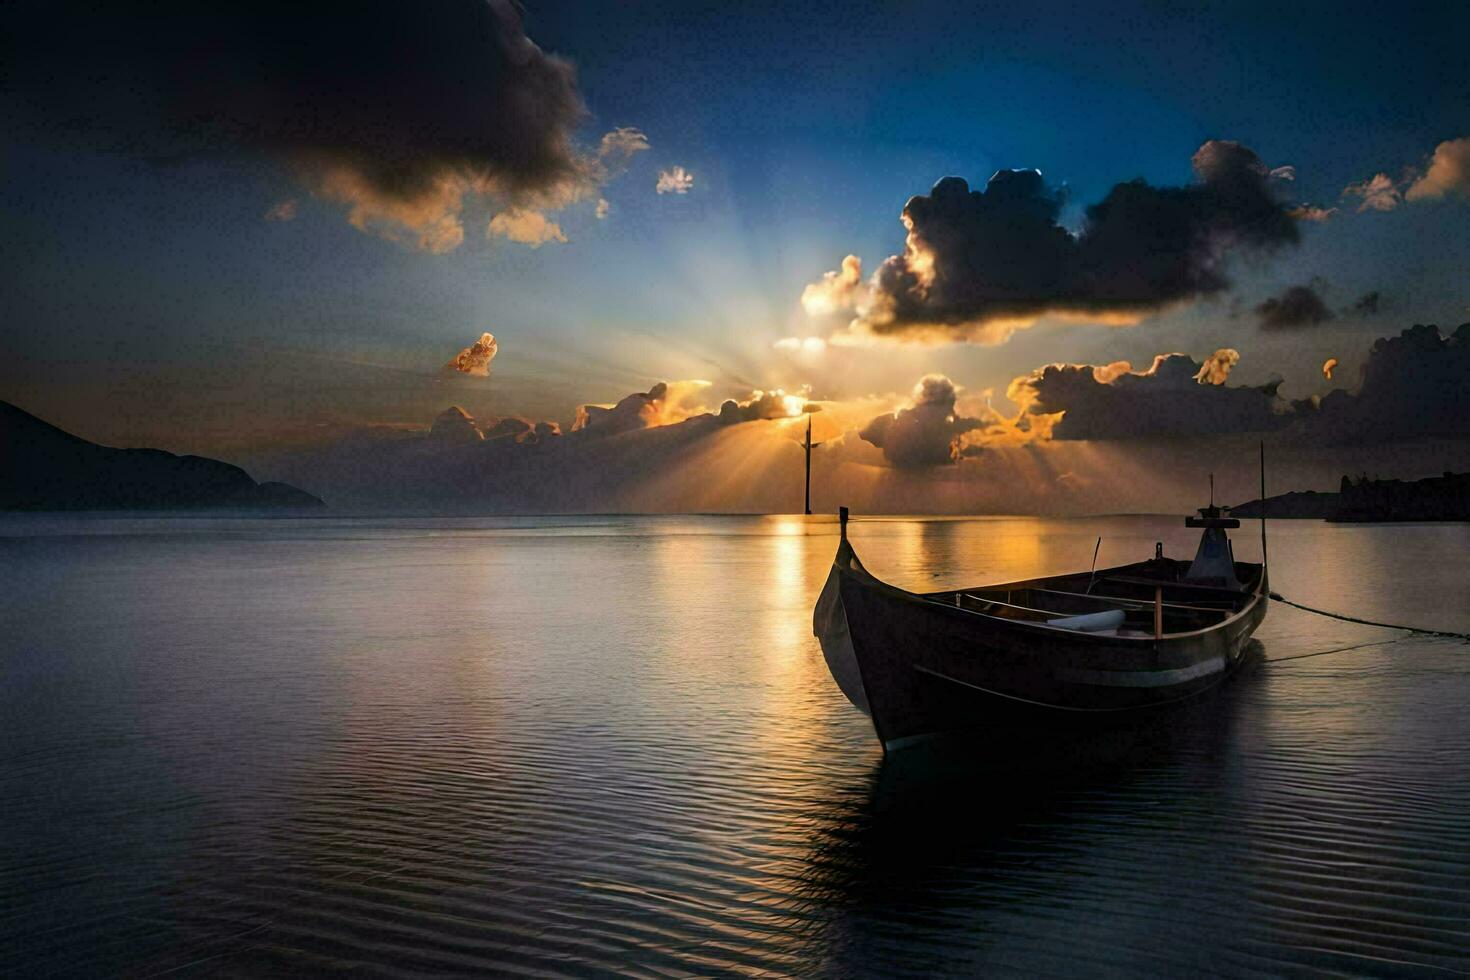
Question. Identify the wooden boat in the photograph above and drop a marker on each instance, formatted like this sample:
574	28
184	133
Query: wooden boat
1046	654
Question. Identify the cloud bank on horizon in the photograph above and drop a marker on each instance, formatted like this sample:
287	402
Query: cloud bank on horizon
1076	425
1415	385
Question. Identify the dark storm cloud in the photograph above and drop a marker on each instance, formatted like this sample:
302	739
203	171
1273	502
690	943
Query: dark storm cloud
521	431
454	427
1415	385
1297	306
1174	397
979	263
927	433
396	109
1367	304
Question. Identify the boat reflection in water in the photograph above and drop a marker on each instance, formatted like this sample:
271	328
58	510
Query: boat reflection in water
1053	653
600	746
970	852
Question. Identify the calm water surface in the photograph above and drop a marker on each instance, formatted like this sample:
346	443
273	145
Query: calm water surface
569	746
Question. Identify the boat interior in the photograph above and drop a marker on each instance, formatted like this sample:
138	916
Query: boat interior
1121	601
1151	598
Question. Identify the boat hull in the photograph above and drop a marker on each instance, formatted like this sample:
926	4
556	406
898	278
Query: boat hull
918	667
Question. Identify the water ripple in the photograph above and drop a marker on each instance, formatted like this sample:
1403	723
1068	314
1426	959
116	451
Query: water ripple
610	746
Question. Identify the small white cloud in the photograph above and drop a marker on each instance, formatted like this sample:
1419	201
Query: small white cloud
675	181
1285	172
603	208
809	345
526	226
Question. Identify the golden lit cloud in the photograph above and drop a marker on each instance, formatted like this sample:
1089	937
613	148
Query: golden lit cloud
1327	367
775	404
1216	367
1377	193
870	328
1448	173
475	359
1106	374
835	291
1308	212
682	400
526	226
426	219
284	211
665	403
429	215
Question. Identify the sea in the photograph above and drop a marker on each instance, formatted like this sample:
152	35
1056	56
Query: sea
570	746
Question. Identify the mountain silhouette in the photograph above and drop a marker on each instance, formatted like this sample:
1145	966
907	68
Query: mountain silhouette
44	468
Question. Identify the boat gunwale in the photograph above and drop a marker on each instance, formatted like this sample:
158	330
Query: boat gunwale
976	594
926	599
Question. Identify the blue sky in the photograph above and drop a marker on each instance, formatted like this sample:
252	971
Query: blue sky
150	301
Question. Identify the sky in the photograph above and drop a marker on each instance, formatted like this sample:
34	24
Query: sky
259	231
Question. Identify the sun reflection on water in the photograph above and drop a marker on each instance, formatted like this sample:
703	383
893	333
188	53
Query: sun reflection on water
579	744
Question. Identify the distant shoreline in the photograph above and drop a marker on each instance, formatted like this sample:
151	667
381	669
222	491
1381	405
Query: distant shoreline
1365	501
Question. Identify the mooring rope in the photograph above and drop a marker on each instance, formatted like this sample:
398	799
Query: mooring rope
1323	653
1368	622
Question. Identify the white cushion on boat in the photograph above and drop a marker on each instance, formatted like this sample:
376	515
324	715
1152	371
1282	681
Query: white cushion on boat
1092	622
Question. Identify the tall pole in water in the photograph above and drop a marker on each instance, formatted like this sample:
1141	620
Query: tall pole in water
808	464
1263	510
809	446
